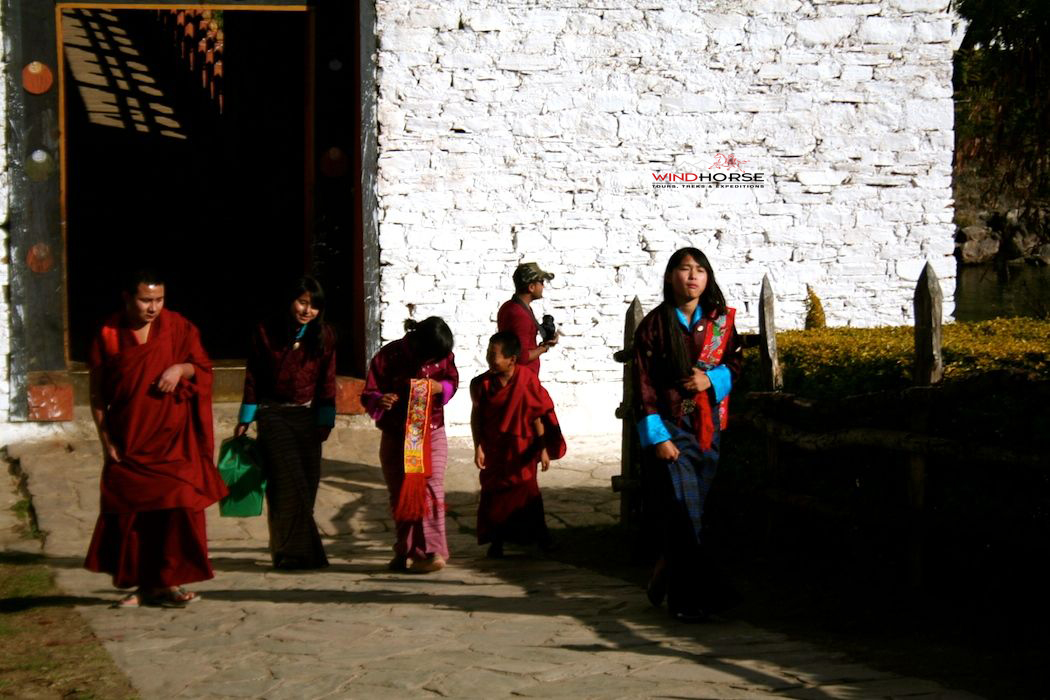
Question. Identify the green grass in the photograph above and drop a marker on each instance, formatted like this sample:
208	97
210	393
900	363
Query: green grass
46	647
24	510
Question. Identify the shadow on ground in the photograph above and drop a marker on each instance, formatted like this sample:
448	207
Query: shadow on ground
796	586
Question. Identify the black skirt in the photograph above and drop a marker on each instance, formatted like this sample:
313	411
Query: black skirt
291	453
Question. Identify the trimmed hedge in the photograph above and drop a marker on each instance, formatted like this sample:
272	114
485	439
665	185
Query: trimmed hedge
836	362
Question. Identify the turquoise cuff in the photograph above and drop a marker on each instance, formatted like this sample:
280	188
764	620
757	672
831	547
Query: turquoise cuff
326	416
721	381
247	412
652	431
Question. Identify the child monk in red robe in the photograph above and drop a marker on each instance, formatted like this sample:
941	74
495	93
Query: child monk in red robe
514	428
151	401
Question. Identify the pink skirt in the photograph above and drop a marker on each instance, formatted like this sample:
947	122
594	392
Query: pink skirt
418	539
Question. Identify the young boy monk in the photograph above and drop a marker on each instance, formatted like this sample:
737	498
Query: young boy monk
514	428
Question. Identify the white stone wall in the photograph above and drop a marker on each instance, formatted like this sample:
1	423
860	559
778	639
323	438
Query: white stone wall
5	314
514	131
5	193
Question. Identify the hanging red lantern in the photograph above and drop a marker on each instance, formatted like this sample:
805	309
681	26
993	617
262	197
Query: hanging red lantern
37	78
40	258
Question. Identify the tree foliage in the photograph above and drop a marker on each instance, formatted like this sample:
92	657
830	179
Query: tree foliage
1002	74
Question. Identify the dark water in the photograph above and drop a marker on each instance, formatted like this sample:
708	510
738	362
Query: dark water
982	293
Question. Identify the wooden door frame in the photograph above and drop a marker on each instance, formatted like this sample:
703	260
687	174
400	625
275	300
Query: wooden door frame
39	382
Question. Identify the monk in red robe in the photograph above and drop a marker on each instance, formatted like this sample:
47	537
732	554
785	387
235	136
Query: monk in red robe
514	428
151	401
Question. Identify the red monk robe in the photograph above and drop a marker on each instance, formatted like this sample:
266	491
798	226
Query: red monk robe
151	529
511	507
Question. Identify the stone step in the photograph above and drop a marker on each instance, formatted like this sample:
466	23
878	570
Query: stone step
228	381
80	435
228	386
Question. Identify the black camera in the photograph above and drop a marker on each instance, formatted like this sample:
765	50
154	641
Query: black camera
547	328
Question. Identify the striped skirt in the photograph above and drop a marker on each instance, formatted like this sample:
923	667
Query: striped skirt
417	539
291	454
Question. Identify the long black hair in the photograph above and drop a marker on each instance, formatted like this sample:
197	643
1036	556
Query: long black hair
430	339
282	326
712	303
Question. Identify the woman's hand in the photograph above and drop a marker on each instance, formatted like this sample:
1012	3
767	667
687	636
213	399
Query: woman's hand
666	451
387	401
699	381
241	430
479	457
170	378
545	460
435	387
109	449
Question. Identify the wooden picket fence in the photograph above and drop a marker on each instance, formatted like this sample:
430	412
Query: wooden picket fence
777	415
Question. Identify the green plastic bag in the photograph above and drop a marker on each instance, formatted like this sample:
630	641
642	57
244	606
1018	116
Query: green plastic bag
239	468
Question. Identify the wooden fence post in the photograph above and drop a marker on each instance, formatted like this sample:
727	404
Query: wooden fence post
629	481
929	368
767	332
772	380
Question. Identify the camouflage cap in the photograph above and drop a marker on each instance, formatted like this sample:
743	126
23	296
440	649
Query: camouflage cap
530	272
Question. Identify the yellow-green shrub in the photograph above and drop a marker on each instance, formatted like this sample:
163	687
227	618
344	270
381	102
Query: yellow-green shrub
844	361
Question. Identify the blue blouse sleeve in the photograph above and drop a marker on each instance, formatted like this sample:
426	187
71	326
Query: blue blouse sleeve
247	412
721	381
651	430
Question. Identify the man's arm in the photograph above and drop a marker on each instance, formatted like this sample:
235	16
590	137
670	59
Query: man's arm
475	427
522	325
545	458
172	375
537	351
98	414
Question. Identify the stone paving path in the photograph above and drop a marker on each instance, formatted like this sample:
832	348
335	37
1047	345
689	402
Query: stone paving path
522	627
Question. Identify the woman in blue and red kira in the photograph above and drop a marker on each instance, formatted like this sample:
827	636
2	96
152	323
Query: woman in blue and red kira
409	382
289	390
686	357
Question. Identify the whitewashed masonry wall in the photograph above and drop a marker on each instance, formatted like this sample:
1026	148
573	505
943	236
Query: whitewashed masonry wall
512	132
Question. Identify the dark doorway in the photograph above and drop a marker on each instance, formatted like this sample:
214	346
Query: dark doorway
207	177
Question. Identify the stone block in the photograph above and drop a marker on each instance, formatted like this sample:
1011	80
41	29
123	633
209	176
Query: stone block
50	396
468	61
885	30
853	10
690	103
920	5
934	32
821	177
546	21
929	114
856	74
405	39
486	21
348	395
818	32
441	18
527	62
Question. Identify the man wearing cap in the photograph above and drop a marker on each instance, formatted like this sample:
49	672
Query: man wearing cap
516	315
